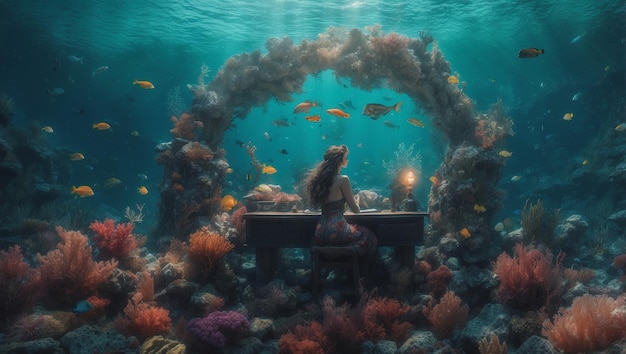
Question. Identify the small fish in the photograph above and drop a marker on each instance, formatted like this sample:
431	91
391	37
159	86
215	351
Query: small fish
142	176
48	129
416	122
268	170
315	118
77	156
82	191
142	190
568	116
505	153
577	38
529	53
134	133
433	179
56	91
82	307
359	145
465	232
607	68
111	182
452	79
263	188
101	126
99	70
305	107
576	97
248	177
228	202
479	208
585	162
283	151
516	178
229	170
267	136
144	84
70	80
240	143
375	110
75	59
390	124
493	81
280	122
621	127
337	112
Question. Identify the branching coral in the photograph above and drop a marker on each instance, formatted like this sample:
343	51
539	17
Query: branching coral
447	315
184	127
19	284
194	151
143	320
114	240
206	248
538	224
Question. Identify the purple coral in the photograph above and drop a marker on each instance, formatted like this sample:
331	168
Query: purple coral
219	327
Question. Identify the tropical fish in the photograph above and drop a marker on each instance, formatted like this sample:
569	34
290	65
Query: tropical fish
337	112
568	116
75	59
48	129
529	53
452	79
576	97
316	118
280	122
111	182
416	122
516	178
56	91
229	170
101	126
77	156
134	133
433	179
82	191
505	153
465	232
621	127
267	136
268	170
228	202
479	208
375	110
144	84
263	188
390	124
283	151
99	70
142	190
82	307
305	106
585	162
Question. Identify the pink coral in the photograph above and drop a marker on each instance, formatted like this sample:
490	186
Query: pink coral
114	241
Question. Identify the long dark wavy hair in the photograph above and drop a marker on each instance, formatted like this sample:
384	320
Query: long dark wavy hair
320	179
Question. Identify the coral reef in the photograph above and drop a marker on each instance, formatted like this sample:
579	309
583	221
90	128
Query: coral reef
114	241
447	315
219	328
19	284
206	248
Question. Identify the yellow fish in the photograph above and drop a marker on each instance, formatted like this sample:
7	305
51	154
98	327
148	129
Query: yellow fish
585	162
416	122
48	129
101	126
505	153
82	191
229	170
144	84
479	208
142	190
228	202
465	232
263	188
77	156
568	116
268	170
453	80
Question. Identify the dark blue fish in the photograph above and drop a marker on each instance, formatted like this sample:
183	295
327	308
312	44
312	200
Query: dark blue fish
82	307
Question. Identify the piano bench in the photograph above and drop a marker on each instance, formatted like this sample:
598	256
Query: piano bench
338	257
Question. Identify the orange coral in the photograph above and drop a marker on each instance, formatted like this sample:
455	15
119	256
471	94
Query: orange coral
69	272
184	127
143	320
592	323
207	247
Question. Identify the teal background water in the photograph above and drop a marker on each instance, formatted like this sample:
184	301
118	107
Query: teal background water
166	42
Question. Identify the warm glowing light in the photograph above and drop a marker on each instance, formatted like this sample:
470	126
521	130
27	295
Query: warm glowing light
410	178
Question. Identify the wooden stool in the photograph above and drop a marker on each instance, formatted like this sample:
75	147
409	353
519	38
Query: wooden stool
343	257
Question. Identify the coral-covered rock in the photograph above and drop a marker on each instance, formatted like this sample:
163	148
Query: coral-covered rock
262	328
89	340
493	318
45	345
219	328
419	340
619	218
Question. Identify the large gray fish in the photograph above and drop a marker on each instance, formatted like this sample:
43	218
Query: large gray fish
375	110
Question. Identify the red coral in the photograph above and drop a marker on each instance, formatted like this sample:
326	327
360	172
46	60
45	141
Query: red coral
591	324
206	248
194	151
308	339
438	280
69	273
19	284
114	241
143	320
447	315
238	221
381	320
528	279
184	127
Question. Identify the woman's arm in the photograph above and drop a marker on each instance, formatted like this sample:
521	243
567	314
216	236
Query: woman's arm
346	190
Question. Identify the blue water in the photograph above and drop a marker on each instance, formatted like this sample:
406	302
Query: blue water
166	42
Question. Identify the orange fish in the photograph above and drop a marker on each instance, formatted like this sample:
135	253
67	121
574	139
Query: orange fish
77	156
101	126
529	53
228	202
144	84
82	191
465	232
315	118
453	80
568	116
305	106
142	190
268	170
337	112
